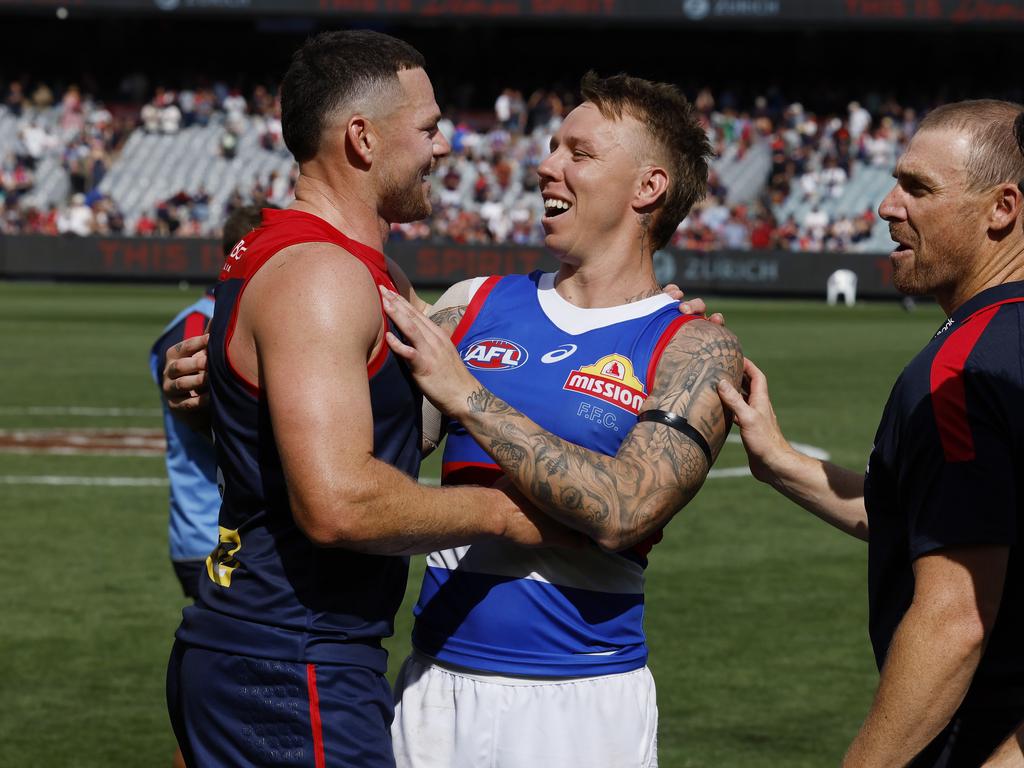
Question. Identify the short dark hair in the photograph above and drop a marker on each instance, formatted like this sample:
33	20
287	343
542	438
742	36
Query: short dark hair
241	221
330	69
674	127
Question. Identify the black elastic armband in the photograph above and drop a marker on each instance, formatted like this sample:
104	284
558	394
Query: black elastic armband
677	422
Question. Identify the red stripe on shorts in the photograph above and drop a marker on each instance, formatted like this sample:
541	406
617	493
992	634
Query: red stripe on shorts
314	716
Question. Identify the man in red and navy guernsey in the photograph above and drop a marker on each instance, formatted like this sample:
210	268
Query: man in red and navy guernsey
591	393
318	438
942	503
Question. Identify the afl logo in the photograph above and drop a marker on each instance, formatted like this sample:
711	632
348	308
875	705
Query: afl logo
494	355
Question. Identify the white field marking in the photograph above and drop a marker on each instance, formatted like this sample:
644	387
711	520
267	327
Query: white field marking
129	436
808	450
81	452
725	472
127	482
75	410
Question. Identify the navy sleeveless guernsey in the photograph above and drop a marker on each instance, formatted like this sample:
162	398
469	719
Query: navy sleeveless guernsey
583	375
269	592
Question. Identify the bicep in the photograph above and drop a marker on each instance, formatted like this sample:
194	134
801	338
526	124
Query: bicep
312	358
668	464
695	360
966	582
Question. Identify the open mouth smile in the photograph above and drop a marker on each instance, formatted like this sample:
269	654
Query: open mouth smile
554	206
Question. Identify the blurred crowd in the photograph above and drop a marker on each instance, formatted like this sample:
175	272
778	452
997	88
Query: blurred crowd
485	192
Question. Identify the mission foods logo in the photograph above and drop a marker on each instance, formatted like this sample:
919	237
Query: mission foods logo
610	379
495	355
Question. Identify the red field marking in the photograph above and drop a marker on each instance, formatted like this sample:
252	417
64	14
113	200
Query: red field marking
84	442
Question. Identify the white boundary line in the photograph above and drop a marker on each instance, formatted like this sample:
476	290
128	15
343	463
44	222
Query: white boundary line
75	410
135	482
116	482
69	451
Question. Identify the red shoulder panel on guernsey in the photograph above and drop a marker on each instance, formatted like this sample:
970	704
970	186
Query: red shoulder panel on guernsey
948	395
659	348
473	308
282	229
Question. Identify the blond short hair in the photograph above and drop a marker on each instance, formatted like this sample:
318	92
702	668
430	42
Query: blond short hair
996	132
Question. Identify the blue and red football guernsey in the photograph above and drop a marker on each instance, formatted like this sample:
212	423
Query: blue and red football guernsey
581	374
270	593
947	470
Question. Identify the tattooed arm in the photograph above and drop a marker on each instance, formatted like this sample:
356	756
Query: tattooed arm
618	500
446	314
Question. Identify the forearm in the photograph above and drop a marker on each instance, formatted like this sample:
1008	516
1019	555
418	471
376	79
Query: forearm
1010	753
927	673
615	503
384	512
833	493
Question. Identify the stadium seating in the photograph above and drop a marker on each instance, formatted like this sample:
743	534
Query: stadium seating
151	167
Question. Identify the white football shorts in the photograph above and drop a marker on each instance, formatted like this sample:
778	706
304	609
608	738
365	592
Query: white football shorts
450	717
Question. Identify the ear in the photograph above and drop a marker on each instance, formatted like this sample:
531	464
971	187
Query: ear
1006	208
653	185
361	139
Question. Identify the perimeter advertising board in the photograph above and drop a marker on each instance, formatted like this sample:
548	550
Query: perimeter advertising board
428	265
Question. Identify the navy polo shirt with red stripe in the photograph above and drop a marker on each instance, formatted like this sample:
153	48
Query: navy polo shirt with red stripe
946	472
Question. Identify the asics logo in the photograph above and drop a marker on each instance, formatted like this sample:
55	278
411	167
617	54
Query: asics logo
558	354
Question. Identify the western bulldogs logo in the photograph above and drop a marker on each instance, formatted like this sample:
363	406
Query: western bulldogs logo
610	379
495	355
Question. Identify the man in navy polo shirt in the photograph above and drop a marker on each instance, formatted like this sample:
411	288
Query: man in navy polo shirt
942	503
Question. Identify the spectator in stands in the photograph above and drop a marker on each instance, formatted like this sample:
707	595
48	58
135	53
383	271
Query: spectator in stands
879	149
832	178
734	232
859	120
42	97
229	144
16	179
145	226
150	113
510	110
76	219
72	115
187	105
235	108
763	233
205	106
15	100
34	141
815	225
170	115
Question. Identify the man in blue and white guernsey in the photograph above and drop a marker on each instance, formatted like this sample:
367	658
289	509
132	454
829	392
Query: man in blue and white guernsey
595	396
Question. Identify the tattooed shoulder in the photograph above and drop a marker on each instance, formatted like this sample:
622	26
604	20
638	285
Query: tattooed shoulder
448	318
699	356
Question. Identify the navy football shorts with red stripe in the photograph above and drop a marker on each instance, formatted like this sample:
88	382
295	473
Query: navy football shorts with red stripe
230	710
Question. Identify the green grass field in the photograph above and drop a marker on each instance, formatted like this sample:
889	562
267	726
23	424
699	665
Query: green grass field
756	611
